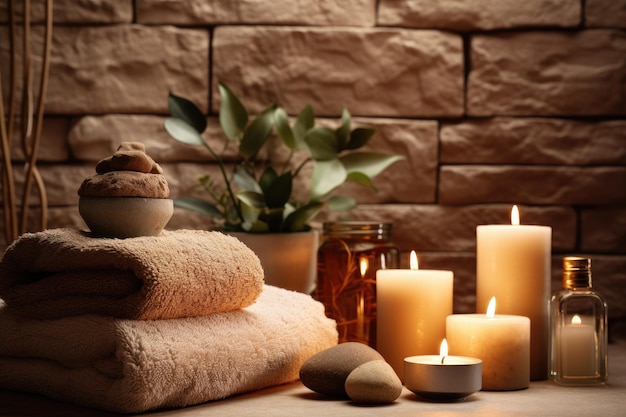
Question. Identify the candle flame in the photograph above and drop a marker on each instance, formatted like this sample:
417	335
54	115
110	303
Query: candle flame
576	319
515	216
413	261
364	264
491	308
443	349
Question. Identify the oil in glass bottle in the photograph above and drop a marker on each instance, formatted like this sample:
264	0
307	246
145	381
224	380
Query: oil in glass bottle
578	328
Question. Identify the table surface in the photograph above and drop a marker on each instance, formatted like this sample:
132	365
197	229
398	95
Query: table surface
542	398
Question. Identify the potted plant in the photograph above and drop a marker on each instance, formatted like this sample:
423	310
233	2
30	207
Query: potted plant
255	196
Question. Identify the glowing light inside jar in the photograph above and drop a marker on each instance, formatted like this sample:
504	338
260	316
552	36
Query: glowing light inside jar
364	264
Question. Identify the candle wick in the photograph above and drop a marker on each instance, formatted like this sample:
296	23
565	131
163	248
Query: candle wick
443	358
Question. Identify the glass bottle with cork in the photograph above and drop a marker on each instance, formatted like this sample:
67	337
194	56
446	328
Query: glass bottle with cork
578	328
347	261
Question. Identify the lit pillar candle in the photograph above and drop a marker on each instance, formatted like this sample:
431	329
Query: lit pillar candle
412	305
578	347
501	341
513	264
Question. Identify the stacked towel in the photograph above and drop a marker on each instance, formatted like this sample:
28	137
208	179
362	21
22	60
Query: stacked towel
213	331
62	272
130	366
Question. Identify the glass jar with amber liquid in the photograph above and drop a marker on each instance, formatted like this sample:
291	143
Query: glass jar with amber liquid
347	261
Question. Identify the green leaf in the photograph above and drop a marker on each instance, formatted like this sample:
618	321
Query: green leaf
288	209
256	227
268	176
233	115
250	219
368	163
182	131
304	122
281	122
251	199
245	180
322	143
273	218
298	219
278	191
341	203
343	131
327	175
361	178
256	133
359	137
181	108
197	205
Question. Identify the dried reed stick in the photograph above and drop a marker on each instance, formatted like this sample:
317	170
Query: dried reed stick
30	133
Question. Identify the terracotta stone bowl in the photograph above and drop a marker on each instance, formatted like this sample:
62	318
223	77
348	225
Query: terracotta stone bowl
124	217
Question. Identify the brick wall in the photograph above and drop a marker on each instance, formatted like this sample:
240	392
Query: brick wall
493	103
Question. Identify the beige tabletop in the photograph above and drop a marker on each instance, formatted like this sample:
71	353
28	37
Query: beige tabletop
542	398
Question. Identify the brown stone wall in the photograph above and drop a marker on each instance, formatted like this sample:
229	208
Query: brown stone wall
492	102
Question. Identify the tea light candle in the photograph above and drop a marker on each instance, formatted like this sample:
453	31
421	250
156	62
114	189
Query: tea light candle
513	264
501	341
442	377
578	342
412	306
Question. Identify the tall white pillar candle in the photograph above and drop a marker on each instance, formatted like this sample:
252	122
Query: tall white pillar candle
412	306
513	264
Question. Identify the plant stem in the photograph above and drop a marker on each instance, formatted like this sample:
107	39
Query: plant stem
297	171
231	194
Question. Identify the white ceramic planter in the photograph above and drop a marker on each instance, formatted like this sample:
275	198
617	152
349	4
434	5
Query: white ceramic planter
288	259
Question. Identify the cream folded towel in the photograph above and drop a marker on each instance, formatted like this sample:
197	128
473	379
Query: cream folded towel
130	366
183	273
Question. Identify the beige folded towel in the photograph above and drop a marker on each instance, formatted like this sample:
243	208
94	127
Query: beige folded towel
130	366
64	272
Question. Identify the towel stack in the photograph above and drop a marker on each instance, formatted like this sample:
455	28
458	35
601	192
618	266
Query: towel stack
130	325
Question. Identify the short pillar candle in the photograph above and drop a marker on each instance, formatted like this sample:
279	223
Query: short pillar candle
501	341
578	348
